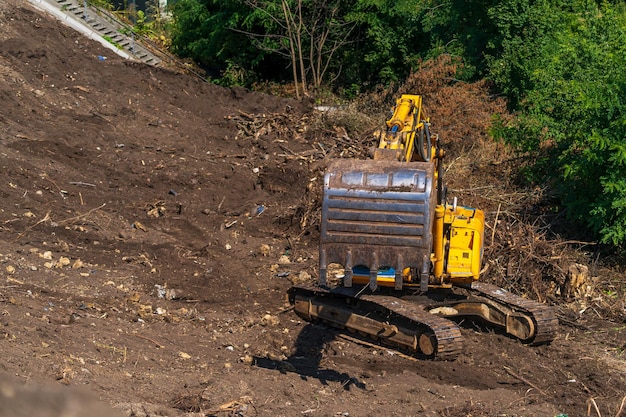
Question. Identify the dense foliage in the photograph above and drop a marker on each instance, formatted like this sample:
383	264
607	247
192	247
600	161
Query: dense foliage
347	44
560	63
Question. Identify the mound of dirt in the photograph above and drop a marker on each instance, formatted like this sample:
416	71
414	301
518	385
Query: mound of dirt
151	223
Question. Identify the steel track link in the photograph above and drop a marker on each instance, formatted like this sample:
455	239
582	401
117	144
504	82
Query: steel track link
447	333
544	317
443	335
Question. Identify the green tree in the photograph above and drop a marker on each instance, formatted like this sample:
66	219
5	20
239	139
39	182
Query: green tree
308	33
386	41
562	65
205	30
352	42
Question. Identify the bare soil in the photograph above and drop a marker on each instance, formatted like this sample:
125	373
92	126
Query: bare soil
151	224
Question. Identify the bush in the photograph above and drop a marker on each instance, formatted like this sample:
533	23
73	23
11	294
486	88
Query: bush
568	83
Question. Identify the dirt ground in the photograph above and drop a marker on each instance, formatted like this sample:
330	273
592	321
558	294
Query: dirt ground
150	226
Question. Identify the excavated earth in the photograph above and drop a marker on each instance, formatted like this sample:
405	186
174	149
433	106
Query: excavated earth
150	226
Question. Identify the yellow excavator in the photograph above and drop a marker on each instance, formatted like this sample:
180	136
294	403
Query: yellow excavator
404	265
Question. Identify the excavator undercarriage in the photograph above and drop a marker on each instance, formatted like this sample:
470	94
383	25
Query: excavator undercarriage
410	262
425	325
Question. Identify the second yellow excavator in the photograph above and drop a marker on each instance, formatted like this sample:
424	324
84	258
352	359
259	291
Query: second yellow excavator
410	262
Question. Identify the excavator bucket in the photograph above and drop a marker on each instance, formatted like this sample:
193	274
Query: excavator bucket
377	214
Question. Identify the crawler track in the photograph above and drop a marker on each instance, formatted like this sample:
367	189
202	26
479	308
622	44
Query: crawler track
393	321
544	318
410	326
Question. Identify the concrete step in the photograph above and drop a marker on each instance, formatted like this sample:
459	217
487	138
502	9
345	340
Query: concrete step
102	24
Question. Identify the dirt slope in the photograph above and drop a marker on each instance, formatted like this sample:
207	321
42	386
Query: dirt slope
150	225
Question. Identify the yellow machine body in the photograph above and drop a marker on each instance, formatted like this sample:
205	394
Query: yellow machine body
384	219
458	244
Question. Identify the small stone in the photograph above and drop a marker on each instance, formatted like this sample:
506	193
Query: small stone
303	276
63	261
269	320
139	226
264	249
247	359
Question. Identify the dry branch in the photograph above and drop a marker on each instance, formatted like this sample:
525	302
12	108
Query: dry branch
83	184
372	345
524	380
45	218
157	344
621	407
80	216
595	406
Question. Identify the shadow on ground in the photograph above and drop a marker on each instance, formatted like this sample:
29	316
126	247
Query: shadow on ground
306	360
